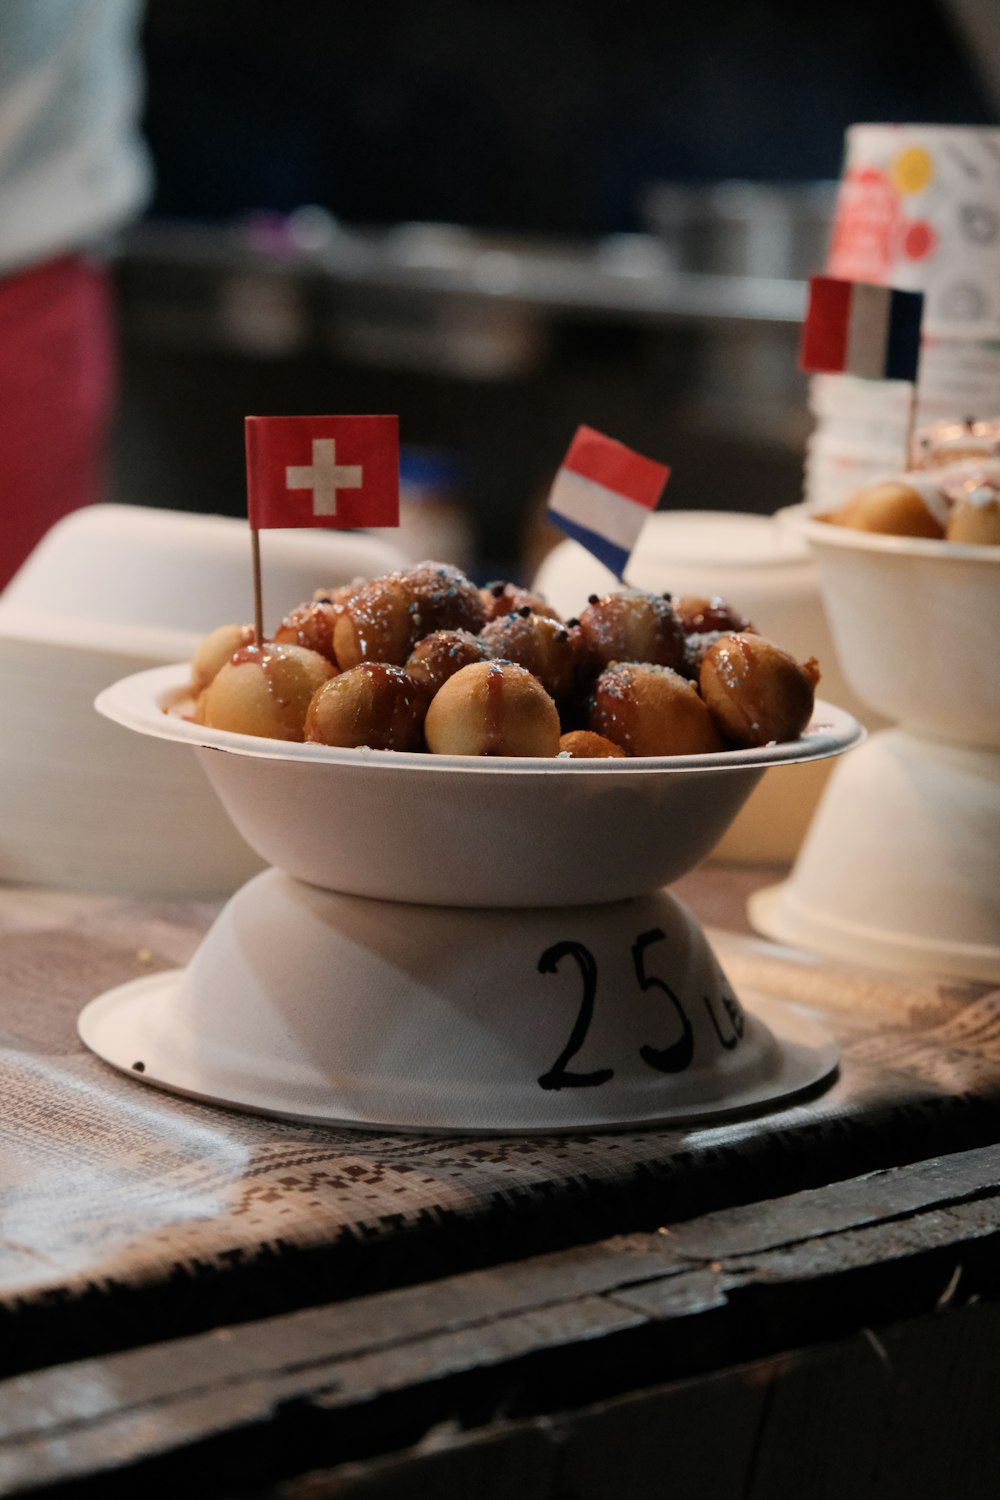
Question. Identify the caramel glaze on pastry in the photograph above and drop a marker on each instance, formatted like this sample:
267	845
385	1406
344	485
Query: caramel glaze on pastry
649	709
384	619
633	626
757	693
492	708
264	692
373	704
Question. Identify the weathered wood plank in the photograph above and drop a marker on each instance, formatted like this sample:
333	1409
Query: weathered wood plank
568	1329
876	1196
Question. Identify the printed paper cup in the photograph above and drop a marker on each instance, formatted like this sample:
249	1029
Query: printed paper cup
919	208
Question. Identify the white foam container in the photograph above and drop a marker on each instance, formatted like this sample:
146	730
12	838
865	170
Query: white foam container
109	590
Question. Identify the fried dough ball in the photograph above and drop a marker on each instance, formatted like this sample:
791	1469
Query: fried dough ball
695	647
633	626
501	598
372	704
699	615
757	693
215	650
492	708
584	744
311	625
649	709
976	520
893	507
541	644
441	654
384	619
951	442
264	692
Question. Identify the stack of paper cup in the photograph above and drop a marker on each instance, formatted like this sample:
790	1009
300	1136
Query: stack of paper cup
918	208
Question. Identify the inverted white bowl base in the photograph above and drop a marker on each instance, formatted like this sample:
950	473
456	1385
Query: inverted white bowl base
310	1005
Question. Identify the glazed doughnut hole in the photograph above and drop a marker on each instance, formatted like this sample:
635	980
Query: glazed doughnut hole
757	693
492	708
976	521
584	744
311	625
441	654
502	598
543	645
892	507
214	651
385	618
651	710
265	693
701	616
633	626
373	704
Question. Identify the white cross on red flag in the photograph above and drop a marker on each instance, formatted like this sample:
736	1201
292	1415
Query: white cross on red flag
322	471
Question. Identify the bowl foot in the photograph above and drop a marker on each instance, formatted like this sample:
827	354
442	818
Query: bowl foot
901	866
305	1004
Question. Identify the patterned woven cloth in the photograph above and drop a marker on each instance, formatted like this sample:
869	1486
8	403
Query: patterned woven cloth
129	1214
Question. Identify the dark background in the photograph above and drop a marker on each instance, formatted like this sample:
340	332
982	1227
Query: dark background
538	120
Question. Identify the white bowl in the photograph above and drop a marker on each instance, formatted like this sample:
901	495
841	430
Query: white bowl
916	624
465	831
306	1004
109	590
901	866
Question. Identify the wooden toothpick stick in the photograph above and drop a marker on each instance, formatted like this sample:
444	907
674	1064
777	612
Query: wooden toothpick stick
258	602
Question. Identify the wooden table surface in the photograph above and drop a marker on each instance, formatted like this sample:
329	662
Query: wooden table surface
835	1341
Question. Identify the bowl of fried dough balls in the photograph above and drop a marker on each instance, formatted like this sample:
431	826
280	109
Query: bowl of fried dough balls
416	737
910	576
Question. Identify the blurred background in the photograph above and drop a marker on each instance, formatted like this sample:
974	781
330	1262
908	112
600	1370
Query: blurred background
500	221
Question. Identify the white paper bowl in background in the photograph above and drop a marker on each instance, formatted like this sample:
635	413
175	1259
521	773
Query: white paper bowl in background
901	866
109	590
916	626
768	573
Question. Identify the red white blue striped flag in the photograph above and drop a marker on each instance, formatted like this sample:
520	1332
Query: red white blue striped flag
852	328
602	494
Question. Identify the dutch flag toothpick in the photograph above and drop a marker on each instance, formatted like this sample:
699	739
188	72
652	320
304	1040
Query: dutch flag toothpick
852	328
602	495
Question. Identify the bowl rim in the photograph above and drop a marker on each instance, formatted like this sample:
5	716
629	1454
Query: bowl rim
823	533
141	702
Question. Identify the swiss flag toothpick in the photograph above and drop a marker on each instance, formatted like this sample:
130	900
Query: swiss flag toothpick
322	471
319	471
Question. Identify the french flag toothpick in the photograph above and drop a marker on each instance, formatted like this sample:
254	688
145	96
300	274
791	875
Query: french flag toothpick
852	328
603	494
